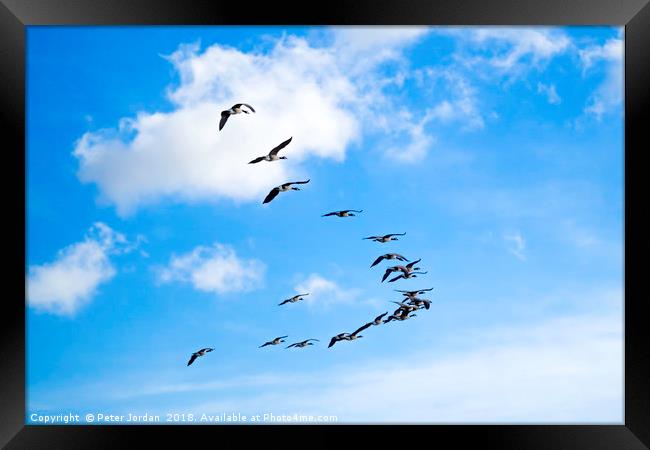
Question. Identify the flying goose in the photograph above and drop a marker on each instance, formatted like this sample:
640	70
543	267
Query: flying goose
195	355
349	336
403	316
273	154
419	302
302	344
399	317
283	188
388	256
235	109
275	341
404	269
404	308
377	320
343	213
411	294
356	335
338	337
391	270
385	238
294	299
406	276
410	266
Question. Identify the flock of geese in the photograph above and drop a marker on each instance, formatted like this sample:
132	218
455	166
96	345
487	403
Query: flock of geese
410	302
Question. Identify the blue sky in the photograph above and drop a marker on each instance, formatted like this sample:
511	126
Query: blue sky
499	151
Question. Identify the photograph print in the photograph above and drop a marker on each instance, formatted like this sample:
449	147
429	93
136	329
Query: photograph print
325	225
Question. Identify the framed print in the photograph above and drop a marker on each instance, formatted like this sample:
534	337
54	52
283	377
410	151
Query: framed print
346	218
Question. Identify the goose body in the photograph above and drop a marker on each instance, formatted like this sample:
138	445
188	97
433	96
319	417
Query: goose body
273	154
407	269
195	355
343	213
294	299
406	276
234	109
302	344
349	336
385	238
413	294
283	188
276	341
377	320
388	256
356	335
404	309
420	302
400	317
337	338
391	270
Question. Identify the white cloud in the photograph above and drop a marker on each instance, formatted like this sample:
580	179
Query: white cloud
321	96
462	107
63	286
561	370
611	50
514	50
517	245
324	292
297	90
215	269
415	146
362	48
609	94
550	92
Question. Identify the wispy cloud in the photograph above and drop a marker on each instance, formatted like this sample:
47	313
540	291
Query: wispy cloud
66	284
562	370
609	94
509	51
462	106
550	92
516	245
415	142
216	269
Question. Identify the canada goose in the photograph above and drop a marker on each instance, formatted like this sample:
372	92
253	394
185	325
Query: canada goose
377	320
404	308
235	109
406	276
348	336
410	266
302	344
356	335
388	256
385	238
391	270
275	341
404	269
294	299
273	154
399	317
338	337
411	294
419	302
344	213
195	355
283	188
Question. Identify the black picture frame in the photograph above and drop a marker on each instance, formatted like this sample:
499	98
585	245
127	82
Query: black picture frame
634	15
